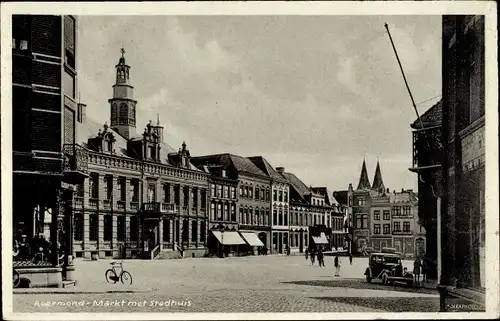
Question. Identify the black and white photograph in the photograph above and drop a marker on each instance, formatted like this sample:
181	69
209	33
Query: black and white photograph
250	160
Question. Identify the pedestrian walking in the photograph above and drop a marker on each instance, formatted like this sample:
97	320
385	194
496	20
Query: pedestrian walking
313	258
350	258
307	254
424	270
336	263
416	269
321	258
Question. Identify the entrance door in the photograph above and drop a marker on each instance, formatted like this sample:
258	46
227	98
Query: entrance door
280	243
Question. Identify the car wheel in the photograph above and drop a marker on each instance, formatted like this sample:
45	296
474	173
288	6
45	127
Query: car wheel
368	279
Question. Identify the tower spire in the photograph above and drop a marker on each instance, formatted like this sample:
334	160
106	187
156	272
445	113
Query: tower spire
364	182
378	182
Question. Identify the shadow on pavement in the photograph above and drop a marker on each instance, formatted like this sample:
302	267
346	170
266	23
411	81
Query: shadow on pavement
390	304
362	284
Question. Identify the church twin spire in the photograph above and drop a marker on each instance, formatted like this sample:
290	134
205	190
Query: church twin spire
364	181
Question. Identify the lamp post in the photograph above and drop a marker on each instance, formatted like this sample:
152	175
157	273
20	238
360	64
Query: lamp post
221	229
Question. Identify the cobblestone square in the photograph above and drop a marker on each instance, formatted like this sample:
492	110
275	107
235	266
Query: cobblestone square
235	284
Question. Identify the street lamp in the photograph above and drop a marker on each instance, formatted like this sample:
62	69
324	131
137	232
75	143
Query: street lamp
221	229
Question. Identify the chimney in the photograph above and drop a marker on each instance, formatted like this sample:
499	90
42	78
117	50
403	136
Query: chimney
280	170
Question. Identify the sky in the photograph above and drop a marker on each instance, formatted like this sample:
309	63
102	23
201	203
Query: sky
313	94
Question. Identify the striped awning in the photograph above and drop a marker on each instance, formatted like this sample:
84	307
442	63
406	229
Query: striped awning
252	239
228	238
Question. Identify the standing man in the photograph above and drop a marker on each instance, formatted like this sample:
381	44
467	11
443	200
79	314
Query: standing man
350	258
312	257
321	257
336	263
416	269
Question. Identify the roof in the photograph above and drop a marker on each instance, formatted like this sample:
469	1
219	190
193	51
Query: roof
340	196
364	182
406	196
297	184
229	162
431	117
329	198
378	182
90	129
265	167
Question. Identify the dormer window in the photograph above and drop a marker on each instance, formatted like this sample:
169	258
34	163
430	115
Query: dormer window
108	146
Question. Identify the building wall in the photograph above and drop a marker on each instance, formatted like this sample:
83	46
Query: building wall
223	200
463	123
164	179
255	214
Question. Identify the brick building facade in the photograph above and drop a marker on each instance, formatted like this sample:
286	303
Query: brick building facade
381	218
142	198
45	167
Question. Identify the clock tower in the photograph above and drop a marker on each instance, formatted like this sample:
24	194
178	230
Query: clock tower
123	105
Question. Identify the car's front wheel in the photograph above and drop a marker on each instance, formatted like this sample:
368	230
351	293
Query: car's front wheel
368	278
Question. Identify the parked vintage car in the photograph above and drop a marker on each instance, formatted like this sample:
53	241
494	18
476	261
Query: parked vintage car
387	266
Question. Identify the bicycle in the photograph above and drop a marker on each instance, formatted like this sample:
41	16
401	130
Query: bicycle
16	279
112	276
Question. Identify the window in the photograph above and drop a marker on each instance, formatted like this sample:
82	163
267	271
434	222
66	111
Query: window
241	191
79	190
267	218
166	230
257	190
185	192
361	221
365	221
226	191
108	227
203	198
121	188
226	212
123	114
268	195
212	212
20	32
256	217
69	41
250	192
241	215
94	185
151	192
396	210
79	223
280	217
406	226
248	213
376	229
152	152
194	231
361	201
219	212
166	193
233	192
387	228
406	210
397	226
133	228
135	190
69	84
203	229
275	195
275	217
246	191
93	225
286	197
233	212
109	187
281	196
114	113
306	220
120	226
387	215
212	190
285	215
376	215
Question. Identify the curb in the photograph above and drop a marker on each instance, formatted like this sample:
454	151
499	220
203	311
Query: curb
79	291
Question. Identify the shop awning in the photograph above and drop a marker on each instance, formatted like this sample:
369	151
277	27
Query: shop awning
320	239
228	238
252	239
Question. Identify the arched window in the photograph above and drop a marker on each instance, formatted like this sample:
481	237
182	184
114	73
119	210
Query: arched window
123	113
114	112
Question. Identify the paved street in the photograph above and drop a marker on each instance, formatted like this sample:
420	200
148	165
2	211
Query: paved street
240	284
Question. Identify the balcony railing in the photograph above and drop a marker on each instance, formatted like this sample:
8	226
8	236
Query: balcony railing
157	207
75	158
